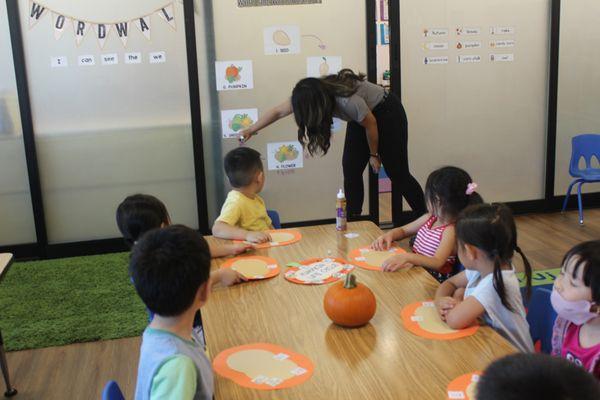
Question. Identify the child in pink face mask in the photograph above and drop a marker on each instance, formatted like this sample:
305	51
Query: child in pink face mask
576	300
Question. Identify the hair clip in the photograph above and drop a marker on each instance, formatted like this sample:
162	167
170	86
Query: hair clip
471	187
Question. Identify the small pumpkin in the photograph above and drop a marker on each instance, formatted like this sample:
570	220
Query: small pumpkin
349	303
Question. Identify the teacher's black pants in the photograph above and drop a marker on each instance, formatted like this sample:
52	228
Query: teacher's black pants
392	125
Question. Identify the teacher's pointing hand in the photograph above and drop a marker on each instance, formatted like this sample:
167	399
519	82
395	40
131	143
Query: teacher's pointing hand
245	135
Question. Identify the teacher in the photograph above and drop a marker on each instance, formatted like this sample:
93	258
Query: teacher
376	133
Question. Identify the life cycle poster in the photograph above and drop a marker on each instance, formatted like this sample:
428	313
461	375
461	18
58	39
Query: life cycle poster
474	85
260	53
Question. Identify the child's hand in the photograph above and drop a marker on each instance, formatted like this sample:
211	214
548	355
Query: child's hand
238	248
444	305
258	237
395	263
228	277
383	242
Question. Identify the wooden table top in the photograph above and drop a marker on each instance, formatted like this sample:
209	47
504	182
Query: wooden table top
379	361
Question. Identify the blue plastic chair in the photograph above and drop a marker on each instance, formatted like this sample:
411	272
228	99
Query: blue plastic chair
274	215
585	146
541	317
112	391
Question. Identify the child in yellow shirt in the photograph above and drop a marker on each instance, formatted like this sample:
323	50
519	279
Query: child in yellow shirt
244	215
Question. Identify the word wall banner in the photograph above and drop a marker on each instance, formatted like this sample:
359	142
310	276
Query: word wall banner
100	30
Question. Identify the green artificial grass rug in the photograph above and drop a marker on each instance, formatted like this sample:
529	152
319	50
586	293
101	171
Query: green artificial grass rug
72	300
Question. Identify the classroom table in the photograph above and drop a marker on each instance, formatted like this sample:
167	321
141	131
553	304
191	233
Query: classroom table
381	360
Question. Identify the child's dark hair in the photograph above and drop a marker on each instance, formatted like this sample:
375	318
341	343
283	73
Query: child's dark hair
241	165
536	376
138	214
588	258
448	187
167	266
491	228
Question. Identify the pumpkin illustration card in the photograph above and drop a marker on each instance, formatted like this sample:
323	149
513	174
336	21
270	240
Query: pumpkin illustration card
423	319
234	75
282	40
263	366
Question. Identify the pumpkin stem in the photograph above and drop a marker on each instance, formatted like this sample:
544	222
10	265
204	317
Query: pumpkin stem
350	282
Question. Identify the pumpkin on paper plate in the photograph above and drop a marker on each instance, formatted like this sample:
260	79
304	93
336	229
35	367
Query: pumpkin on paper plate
350	304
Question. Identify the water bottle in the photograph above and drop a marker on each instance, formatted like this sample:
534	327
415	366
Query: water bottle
341	219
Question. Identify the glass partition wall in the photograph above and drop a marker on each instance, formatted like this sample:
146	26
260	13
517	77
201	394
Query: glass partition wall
108	120
16	215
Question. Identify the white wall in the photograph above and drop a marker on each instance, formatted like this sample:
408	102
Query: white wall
488	118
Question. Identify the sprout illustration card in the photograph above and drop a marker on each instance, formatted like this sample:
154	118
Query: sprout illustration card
285	155
263	366
282	40
253	267
423	319
317	271
323	65
235	121
234	75
464	386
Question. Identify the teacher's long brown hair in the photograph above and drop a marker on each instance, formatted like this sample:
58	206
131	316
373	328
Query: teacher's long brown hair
313	103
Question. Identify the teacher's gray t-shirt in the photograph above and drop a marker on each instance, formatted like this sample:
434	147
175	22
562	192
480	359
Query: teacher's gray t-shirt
357	106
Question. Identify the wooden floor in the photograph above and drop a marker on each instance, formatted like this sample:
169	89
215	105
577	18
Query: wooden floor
80	371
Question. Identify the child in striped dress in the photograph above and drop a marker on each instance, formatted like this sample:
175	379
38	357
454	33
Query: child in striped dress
448	191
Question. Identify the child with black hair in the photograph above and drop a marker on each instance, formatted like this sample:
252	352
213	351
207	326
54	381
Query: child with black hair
576	300
244	215
140	213
170	268
486	238
535	376
447	192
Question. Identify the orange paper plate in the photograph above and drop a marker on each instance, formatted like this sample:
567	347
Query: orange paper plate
301	374
356	257
292	271
457	389
271	263
296	238
411	323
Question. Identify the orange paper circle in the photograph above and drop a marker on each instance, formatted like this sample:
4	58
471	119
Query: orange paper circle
270	261
358	253
289	274
220	366
297	236
460	385
413	326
